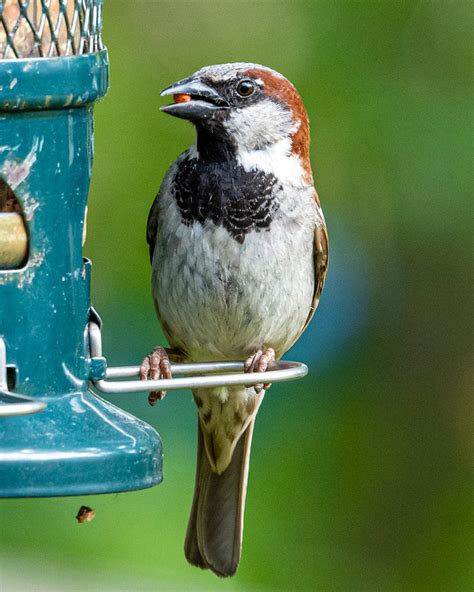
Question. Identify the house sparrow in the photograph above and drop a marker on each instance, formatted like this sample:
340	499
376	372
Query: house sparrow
239	252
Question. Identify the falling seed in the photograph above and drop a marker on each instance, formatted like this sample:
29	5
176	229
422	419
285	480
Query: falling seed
85	514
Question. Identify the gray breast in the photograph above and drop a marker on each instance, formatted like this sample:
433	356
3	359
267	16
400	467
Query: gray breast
223	298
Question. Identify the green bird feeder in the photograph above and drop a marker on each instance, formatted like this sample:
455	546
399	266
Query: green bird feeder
57	436
53	69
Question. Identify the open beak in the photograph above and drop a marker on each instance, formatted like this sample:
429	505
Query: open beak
194	100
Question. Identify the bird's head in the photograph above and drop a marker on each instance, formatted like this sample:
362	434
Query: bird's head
243	107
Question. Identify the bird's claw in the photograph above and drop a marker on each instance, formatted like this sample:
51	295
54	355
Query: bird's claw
155	366
259	362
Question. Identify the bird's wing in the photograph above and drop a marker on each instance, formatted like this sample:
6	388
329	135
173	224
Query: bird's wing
177	354
321	257
152	226
165	189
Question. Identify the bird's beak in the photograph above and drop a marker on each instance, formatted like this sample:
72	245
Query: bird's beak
194	100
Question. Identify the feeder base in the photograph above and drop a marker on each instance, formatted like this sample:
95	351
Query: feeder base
80	444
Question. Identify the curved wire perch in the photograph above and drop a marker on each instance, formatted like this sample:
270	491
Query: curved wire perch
283	371
280	371
12	404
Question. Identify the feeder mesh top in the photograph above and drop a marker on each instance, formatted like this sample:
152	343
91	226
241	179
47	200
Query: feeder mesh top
49	28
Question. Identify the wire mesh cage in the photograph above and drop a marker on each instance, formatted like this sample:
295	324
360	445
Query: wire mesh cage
49	28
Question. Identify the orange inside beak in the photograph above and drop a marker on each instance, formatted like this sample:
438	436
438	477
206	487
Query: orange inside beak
181	98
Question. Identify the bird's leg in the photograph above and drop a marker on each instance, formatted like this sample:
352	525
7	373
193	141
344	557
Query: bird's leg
259	362
155	366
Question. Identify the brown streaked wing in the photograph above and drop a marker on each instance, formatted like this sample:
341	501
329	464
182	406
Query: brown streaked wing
321	258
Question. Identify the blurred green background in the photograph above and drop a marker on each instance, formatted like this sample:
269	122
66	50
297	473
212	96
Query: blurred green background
361	475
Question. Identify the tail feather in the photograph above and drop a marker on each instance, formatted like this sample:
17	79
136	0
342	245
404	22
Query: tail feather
214	535
191	548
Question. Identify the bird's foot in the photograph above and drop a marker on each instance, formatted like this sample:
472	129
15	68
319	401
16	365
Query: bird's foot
259	362
155	366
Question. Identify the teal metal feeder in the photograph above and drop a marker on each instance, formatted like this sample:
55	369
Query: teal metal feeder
53	71
57	436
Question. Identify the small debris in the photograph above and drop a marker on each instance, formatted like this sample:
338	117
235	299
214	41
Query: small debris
85	514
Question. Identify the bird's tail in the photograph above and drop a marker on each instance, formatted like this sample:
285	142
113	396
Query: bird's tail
214	535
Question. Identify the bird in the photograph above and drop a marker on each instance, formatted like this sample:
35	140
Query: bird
239	252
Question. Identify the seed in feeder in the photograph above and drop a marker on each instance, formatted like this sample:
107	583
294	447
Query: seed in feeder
85	514
181	98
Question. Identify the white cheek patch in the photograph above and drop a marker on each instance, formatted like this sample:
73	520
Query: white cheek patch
263	134
258	125
276	159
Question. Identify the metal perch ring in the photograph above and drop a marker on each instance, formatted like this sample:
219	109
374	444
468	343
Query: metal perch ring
200	374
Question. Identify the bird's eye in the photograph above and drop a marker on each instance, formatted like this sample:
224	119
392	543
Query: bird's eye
245	88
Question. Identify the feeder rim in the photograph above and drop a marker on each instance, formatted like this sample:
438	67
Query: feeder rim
60	82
